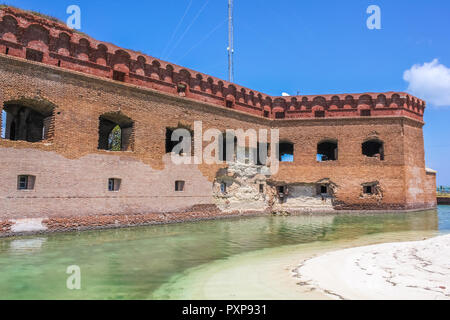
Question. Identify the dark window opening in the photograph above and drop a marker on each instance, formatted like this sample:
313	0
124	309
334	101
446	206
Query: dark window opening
59	63
114	184
181	89
12	131
262	153
280	115
366	113
286	152
368	189
31	122
179	186
119	76
115	132
282	193
266	113
323	189
229	104
261	188
373	149
34	55
232	142
7	51
327	151
25	182
319	114
170	145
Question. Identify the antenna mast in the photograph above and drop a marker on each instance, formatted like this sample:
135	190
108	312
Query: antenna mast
230	42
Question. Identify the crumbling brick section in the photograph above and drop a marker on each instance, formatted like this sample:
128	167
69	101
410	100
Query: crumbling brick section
5	227
49	127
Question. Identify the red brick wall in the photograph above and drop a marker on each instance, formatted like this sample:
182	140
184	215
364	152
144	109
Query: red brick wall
71	173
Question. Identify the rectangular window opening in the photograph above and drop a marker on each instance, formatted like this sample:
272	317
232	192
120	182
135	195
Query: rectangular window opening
368	190
223	187
7	51
366	113
114	184
25	182
261	188
319	114
266	114
119	76
179	186
34	55
280	115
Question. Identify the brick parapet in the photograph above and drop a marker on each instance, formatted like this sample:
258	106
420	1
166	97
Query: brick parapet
68	49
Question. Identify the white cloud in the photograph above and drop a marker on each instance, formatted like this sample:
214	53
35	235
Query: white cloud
284	94
430	81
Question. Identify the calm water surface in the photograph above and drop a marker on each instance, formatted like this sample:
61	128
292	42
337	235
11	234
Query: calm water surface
134	263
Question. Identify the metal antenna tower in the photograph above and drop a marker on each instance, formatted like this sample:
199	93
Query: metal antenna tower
230	42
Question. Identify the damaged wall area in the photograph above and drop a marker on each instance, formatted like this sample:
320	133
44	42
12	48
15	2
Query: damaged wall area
242	187
302	197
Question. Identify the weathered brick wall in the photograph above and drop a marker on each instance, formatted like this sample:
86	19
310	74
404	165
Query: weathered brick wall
72	173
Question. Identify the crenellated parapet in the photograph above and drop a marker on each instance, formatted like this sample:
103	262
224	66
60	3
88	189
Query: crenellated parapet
30	36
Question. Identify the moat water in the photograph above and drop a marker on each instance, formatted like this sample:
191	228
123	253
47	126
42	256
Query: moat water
182	260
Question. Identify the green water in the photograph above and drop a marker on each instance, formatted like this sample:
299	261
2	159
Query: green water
134	263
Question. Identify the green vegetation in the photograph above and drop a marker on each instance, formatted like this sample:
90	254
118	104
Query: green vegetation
115	139
39	14
42	15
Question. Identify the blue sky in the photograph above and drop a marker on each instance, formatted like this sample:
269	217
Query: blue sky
314	47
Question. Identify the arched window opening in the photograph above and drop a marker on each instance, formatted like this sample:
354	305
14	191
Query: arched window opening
181	89
115	132
27	120
327	151
286	152
373	149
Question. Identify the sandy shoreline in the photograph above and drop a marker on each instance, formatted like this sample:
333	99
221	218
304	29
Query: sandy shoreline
267	274
391	271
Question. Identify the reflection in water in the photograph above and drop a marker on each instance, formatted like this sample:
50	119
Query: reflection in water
26	246
133	263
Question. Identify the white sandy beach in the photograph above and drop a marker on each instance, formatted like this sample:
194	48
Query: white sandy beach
393	271
267	274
